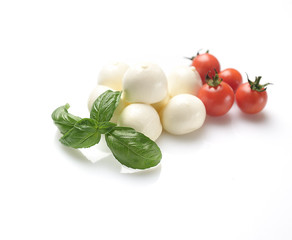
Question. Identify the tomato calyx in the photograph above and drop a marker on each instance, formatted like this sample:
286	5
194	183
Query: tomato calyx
256	86
198	53
215	81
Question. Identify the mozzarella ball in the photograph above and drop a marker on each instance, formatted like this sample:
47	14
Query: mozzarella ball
145	83
184	79
111	75
143	118
183	114
100	89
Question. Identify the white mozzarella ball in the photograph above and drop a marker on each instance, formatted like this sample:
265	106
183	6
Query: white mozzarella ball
184	79
100	89
183	114
143	118
111	75
145	83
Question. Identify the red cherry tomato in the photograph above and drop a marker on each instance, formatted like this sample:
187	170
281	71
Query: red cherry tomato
251	97
217	96
232	77
205	64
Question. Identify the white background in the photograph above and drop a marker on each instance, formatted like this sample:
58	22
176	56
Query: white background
232	179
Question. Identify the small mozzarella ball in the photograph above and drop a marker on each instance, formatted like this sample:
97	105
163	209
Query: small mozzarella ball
160	105
183	114
145	83
111	75
143	118
100	89
184	79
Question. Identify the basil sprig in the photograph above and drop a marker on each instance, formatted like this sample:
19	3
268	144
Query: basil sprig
131	148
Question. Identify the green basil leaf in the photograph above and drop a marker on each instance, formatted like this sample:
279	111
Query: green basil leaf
64	120
133	149
105	127
84	134
104	106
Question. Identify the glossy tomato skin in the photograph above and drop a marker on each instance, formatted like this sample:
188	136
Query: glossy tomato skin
232	77
217	100
205	64
250	101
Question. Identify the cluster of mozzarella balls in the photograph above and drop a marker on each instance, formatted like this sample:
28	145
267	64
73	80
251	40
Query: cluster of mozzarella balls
152	101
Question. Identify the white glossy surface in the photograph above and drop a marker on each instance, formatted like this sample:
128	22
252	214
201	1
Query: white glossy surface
230	180
184	113
111	75
184	79
143	118
145	83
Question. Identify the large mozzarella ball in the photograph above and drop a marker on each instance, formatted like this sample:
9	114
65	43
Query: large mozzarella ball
145	83
100	89
143	118
183	114
184	79
111	75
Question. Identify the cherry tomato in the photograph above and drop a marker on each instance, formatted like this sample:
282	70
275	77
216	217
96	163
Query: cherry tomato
232	77
205	64
251	97
217	96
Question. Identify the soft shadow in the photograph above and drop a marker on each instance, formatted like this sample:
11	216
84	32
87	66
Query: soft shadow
220	120
73	153
148	176
108	163
260	117
184	138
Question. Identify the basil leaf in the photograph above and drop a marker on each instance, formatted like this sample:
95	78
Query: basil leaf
64	120
105	127
133	149
84	134
104	106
